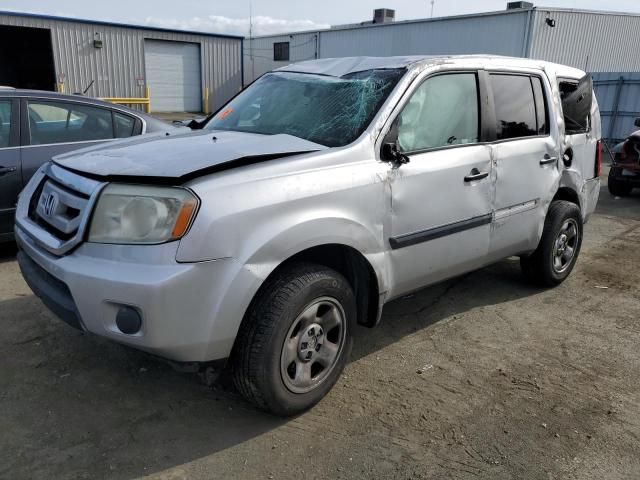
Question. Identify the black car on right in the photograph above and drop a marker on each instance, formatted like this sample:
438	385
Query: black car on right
624	175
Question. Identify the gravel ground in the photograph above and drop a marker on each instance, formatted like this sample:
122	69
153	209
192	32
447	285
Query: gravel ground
479	377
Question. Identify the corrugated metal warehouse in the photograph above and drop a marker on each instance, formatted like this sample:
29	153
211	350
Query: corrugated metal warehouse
116	60
591	40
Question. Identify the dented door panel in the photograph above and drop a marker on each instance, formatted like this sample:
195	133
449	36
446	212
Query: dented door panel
525	186
440	223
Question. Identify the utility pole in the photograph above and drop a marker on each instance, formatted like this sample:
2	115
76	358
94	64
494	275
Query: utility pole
253	70
432	2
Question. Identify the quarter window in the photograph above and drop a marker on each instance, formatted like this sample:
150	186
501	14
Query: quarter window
281	51
443	111
515	107
61	122
124	125
5	123
541	106
572	125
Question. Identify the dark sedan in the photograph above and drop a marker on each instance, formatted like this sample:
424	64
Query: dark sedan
36	125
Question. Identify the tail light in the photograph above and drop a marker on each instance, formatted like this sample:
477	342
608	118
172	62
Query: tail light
623	150
598	164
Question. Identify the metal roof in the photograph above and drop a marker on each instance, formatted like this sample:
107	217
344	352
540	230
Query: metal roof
357	26
115	24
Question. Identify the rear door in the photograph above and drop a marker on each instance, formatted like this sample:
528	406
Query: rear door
10	177
51	127
526	157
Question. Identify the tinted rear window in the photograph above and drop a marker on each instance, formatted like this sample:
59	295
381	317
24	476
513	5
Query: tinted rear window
515	106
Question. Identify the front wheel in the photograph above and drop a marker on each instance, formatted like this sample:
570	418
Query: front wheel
551	263
295	339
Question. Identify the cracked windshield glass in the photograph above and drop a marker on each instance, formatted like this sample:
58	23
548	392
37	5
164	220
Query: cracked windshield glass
327	110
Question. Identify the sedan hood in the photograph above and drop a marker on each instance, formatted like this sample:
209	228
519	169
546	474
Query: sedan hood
169	157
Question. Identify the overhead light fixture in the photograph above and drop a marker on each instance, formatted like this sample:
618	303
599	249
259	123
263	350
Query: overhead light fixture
551	22
97	42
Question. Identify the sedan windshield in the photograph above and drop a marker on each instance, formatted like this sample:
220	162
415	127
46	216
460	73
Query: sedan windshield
327	110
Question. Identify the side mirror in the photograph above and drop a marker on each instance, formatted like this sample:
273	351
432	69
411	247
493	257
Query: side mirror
637	122
576	106
391	153
390	149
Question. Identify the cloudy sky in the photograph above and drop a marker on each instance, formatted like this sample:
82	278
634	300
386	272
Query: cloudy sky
273	16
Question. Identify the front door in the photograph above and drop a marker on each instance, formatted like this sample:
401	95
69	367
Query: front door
441	199
526	159
10	179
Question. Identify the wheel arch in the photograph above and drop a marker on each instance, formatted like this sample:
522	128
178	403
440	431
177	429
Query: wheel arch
349	262
346	260
354	266
567	193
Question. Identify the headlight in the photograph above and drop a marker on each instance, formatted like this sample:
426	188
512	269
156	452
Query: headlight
142	214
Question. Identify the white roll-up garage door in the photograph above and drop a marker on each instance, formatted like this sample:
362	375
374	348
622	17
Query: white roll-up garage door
173	75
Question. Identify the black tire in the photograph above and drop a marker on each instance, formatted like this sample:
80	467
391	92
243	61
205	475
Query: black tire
259	349
539	266
616	187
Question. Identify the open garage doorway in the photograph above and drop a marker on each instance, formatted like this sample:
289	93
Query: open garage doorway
27	60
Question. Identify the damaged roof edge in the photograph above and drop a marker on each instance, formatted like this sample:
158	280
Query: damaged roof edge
339	67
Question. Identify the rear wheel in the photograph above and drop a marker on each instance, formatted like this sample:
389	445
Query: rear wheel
295	339
616	187
551	263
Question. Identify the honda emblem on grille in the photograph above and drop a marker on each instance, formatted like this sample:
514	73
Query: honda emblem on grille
49	203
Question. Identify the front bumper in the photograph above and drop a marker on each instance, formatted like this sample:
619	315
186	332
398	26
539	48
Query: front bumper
184	317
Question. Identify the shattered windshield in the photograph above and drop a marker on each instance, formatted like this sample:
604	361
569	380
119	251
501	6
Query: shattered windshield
326	110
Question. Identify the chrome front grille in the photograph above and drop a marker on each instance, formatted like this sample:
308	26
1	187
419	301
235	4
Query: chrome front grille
60	208
55	207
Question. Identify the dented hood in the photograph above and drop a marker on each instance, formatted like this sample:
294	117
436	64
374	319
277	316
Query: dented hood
173	157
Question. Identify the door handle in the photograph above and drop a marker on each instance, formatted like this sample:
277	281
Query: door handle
5	170
475	174
547	159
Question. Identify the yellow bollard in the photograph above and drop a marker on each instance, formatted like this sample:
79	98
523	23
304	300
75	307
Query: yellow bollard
147	94
206	100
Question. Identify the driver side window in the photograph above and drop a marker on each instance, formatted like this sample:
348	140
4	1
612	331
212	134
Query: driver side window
443	111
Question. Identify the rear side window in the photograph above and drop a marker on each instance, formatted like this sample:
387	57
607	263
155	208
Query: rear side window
63	122
5	123
515	106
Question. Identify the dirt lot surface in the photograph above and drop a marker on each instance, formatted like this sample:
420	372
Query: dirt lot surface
480	377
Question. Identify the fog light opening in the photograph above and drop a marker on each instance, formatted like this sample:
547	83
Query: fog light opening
128	320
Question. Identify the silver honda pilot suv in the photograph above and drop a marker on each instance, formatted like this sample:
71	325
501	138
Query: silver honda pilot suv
324	190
